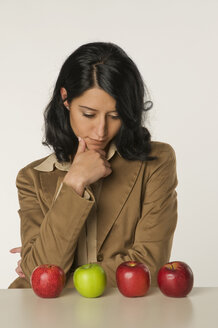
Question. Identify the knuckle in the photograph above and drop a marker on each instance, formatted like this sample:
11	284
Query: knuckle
109	170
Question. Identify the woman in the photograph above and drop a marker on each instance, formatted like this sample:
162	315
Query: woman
107	192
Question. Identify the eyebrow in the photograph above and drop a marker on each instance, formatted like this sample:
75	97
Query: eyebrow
96	110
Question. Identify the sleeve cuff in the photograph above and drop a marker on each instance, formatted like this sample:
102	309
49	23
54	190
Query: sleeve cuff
86	194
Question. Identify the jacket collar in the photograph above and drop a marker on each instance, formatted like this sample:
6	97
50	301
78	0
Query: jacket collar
51	161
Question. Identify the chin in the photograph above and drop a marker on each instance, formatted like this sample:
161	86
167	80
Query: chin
90	147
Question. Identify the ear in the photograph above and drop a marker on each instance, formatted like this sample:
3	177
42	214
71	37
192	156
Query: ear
63	93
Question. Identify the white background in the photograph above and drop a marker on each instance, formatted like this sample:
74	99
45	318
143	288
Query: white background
174	44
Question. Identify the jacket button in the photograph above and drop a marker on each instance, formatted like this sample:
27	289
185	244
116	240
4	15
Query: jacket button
100	257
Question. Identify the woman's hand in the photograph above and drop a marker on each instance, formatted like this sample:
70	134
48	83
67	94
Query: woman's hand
88	166
18	269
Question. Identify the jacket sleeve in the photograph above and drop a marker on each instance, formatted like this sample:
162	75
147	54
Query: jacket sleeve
155	228
49	238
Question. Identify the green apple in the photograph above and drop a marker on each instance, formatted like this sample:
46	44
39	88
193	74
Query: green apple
90	280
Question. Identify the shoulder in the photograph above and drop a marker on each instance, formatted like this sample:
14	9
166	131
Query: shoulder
165	162
162	150
36	162
28	170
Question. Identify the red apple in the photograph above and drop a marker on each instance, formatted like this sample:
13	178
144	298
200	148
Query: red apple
133	278
47	280
175	279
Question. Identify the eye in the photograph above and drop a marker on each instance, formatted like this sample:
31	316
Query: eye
115	117
92	115
88	115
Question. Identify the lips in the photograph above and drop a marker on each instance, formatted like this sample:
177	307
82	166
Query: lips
97	142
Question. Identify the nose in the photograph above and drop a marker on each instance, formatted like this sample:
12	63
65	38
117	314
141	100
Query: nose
101	129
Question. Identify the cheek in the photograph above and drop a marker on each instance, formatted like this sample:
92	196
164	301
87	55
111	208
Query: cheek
79	126
116	128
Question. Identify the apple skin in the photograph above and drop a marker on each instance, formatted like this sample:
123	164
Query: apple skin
175	279
90	280
133	278
47	280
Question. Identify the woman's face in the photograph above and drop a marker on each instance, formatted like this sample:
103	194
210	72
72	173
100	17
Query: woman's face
93	117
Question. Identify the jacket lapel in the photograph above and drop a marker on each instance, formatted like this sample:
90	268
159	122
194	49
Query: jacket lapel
50	183
114	194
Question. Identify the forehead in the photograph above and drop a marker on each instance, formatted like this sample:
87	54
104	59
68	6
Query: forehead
97	99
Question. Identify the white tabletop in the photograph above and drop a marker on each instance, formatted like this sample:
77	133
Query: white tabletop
22	308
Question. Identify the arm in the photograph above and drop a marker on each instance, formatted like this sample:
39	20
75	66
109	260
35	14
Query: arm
49	238
155	228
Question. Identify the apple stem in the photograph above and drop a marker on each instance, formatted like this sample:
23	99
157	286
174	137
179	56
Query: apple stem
86	266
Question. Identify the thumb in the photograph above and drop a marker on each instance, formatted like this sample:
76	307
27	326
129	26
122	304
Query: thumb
81	146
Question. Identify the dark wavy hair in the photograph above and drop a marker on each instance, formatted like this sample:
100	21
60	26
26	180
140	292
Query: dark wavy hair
104	65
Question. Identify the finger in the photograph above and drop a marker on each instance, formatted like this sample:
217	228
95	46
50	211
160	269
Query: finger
107	164
109	171
16	250
101	151
81	146
18	268
20	273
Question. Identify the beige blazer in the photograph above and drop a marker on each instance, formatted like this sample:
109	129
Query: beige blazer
137	215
